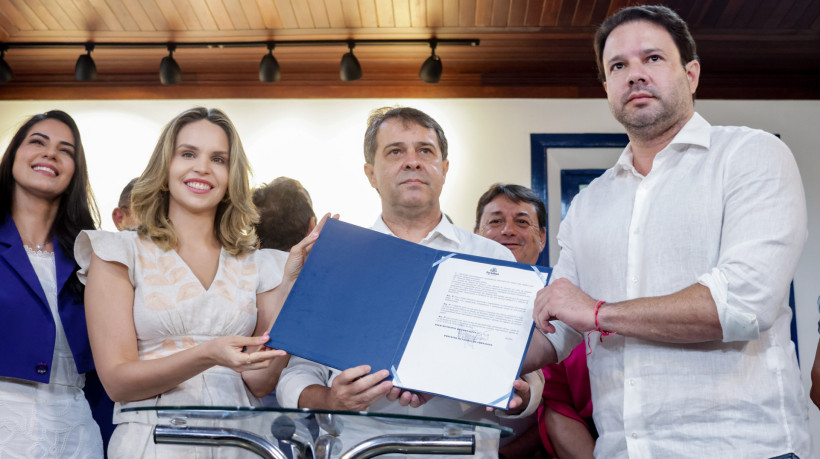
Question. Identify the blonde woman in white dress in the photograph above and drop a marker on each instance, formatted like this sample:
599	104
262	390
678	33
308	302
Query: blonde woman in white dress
171	306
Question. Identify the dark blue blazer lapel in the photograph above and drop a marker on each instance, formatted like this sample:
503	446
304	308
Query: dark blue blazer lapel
14	254
72	311
64	263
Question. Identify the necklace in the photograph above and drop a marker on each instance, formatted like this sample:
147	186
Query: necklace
37	247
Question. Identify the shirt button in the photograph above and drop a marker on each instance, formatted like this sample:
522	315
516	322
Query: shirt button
634	435
41	368
634	279
631	382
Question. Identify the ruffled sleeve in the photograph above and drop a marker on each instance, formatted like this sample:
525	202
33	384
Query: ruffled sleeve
271	266
108	246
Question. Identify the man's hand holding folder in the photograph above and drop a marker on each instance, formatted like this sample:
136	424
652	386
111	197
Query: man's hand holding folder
432	321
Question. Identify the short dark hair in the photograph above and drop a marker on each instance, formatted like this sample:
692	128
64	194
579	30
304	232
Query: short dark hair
77	210
657	14
125	197
285	210
407	115
516	194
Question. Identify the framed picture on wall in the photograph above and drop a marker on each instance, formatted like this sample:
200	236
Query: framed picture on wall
562	164
572	182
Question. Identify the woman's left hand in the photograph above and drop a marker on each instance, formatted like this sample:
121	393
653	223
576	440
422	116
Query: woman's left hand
299	252
241	353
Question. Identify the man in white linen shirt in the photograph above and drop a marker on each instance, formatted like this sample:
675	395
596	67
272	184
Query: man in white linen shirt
406	162
691	239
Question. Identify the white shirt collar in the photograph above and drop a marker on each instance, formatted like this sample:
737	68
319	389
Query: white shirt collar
696	132
444	228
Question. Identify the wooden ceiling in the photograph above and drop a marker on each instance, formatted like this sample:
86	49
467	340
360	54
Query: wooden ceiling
750	49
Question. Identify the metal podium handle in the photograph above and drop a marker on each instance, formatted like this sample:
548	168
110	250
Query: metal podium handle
330	423
412	444
294	436
326	447
217	436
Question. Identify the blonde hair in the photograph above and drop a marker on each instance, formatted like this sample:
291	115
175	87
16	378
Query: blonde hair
235	214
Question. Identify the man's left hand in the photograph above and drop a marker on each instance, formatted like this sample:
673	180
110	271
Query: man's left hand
405	397
520	400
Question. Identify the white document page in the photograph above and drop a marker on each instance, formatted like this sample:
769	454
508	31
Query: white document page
471	333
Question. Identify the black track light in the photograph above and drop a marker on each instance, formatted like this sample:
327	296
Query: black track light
349	69
169	71
269	69
85	69
431	69
6	74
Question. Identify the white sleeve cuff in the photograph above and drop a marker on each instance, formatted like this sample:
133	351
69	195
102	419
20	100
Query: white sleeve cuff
536	381
298	375
564	340
736	325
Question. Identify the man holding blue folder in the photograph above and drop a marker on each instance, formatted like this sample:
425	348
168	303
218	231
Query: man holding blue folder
406	162
675	267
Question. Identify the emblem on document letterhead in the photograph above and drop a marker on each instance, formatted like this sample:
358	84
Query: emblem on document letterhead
493	271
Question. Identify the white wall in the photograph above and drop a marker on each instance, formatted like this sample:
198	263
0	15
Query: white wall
319	142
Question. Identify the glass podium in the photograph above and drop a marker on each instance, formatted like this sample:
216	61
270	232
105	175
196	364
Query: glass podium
281	433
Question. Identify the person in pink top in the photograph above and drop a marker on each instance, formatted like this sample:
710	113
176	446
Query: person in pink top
565	416
515	217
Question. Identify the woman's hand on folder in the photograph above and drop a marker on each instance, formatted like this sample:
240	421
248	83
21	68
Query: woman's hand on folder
299	252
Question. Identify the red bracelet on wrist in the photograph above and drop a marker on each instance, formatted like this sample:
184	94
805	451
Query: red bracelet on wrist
597	327
602	333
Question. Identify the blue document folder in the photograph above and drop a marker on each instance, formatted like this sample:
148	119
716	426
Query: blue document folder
358	297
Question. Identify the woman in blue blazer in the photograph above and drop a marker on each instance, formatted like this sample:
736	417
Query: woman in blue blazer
45	201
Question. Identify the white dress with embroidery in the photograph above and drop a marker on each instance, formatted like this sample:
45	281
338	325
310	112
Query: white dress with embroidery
48	420
173	311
